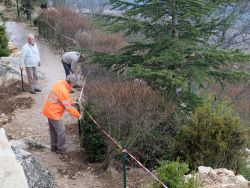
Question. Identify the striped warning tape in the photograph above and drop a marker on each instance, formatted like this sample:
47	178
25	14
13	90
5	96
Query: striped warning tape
64	36
124	150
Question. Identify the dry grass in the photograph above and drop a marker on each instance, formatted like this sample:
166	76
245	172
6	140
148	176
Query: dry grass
99	41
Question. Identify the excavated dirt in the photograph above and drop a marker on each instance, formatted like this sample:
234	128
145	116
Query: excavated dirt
10	99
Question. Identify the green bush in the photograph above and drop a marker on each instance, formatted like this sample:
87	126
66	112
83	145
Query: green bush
4	51
172	175
245	171
92	138
214	137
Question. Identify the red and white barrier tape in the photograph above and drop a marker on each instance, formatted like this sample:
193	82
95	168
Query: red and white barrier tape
147	170
52	27
124	150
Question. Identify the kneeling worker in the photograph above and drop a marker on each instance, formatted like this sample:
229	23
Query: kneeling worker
58	100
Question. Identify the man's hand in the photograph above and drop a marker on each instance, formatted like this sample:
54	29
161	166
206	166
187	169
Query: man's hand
21	68
76	106
39	63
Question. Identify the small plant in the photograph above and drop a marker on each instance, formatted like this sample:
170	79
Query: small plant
172	174
245	171
4	50
92	138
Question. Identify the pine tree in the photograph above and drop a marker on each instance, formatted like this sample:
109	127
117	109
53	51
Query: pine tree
4	51
178	46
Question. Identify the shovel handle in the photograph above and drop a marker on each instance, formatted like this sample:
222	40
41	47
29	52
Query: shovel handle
22	78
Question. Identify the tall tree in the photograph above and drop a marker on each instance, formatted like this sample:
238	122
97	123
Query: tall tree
178	44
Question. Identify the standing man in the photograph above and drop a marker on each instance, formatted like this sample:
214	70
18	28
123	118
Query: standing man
58	100
30	59
70	61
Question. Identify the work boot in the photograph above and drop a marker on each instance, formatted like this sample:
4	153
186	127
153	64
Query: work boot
72	91
38	90
53	148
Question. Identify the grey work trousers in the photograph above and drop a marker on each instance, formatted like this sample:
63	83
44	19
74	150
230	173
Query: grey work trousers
32	78
57	135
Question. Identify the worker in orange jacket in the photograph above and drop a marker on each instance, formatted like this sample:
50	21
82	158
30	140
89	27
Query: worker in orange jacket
54	107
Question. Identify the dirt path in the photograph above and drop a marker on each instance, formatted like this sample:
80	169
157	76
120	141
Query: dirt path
30	123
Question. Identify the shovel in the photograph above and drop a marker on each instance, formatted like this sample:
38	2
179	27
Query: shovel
22	79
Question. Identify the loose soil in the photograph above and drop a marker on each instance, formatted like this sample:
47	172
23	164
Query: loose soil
10	99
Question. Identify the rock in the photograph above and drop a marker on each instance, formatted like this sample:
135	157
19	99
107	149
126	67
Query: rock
248	151
11	172
240	178
204	169
10	72
228	172
213	178
3	119
19	144
37	176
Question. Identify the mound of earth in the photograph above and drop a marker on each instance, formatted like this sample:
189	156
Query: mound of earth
10	99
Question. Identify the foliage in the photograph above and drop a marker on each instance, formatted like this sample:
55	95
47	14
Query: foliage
132	113
245	171
179	45
213	136
172	175
92	138
7	3
4	51
27	8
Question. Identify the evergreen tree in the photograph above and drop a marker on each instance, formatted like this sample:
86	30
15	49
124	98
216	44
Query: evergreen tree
4	51
178	45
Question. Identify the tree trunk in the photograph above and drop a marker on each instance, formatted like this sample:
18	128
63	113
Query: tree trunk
18	9
109	156
174	19
28	15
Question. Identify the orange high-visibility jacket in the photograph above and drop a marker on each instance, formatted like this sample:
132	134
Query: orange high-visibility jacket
59	100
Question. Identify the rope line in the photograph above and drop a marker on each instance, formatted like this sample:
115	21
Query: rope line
124	150
52	27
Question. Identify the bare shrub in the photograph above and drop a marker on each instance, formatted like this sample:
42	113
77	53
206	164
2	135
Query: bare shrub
69	24
99	41
133	114
60	25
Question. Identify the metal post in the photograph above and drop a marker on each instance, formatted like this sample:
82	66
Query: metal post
124	166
